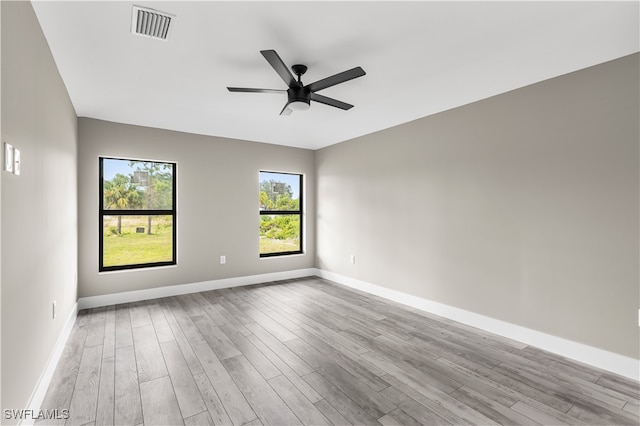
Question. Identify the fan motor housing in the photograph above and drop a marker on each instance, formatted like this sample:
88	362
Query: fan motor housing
299	94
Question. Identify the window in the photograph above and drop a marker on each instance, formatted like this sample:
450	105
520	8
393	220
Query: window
280	214
137	214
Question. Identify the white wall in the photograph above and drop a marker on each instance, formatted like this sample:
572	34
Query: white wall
39	207
217	206
523	207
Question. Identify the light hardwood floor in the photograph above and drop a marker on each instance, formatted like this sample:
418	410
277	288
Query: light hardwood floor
311	352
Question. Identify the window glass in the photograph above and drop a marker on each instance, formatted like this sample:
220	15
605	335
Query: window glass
137	185
279	191
279	233
131	240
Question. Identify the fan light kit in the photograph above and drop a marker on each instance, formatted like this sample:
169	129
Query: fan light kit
299	97
299	106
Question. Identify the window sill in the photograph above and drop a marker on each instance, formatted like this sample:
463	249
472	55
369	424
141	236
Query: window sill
280	256
146	269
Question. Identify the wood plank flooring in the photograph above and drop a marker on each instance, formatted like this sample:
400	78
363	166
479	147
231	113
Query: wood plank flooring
308	351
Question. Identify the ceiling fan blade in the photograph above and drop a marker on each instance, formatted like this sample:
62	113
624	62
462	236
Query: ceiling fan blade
330	101
336	79
286	110
250	90
276	62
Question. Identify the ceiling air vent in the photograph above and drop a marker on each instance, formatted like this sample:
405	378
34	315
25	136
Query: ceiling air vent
151	23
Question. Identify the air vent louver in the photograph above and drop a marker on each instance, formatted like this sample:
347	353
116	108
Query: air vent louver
151	23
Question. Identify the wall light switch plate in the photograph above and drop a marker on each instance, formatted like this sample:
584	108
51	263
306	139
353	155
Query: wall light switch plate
16	161
8	157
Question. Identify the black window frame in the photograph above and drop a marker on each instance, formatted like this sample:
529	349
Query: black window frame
298	212
153	212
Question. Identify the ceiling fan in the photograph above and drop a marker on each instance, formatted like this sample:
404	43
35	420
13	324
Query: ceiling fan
299	96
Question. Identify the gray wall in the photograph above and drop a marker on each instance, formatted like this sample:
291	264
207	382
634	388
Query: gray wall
39	215
217	204
523	207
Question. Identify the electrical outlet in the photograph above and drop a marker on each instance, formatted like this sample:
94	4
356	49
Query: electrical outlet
352	259
223	260
53	310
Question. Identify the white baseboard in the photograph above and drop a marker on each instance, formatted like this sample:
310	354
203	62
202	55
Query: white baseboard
175	290
37	397
619	364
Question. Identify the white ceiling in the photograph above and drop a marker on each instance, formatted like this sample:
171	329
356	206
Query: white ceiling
420	57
